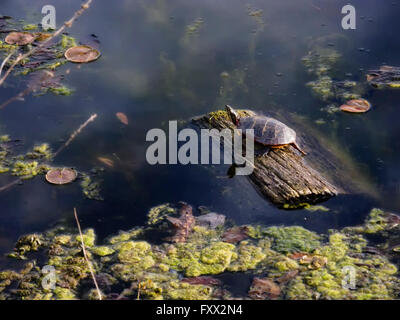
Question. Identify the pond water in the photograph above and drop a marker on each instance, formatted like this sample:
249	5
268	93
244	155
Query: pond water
172	60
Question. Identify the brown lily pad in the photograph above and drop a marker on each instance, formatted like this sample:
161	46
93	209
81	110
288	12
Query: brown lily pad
61	175
235	234
356	106
82	54
20	38
204	280
288	276
263	288
183	225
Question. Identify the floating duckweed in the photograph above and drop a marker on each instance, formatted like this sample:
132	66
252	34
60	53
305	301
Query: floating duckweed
103	251
134	257
64	294
322	87
67	41
247	257
158	213
26	169
286	265
314	208
8	47
213	259
30	27
43	151
5	138
292	239
155	271
320	60
90	189
125	236
374	223
4	169
255	232
63	239
194	27
89	238
185	291
61	91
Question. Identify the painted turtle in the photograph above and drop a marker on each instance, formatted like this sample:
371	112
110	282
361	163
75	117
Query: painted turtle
267	131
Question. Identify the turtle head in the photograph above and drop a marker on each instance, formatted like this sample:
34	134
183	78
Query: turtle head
233	113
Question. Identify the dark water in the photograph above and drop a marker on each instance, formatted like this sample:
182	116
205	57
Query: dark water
154	71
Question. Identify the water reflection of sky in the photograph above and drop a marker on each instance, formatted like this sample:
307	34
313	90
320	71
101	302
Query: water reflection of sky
153	72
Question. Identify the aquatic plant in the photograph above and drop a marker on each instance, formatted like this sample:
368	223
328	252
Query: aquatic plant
291	239
321	63
90	188
295	263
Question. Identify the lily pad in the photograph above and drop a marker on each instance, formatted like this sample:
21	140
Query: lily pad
356	106
82	54
264	288
61	175
20	38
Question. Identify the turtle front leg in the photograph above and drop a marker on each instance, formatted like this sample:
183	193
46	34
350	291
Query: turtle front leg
296	146
263	151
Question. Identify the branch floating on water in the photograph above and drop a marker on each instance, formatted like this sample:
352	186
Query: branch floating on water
75	133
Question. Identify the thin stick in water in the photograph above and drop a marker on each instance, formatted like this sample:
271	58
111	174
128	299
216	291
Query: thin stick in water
9	185
5	61
75	133
85	255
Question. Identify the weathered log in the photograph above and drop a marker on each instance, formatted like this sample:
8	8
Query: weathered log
282	175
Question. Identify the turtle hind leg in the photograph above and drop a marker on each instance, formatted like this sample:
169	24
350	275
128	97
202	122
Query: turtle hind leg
296	146
261	150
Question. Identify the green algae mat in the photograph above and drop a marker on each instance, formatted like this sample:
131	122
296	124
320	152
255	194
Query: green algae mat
285	262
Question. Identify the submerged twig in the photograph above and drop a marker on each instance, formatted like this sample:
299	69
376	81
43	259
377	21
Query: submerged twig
75	133
85	255
19	96
66	24
5	61
9	185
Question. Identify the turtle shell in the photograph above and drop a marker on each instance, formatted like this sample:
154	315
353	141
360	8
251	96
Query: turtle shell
268	131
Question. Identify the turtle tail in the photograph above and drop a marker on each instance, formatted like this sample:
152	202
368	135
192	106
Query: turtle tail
296	146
